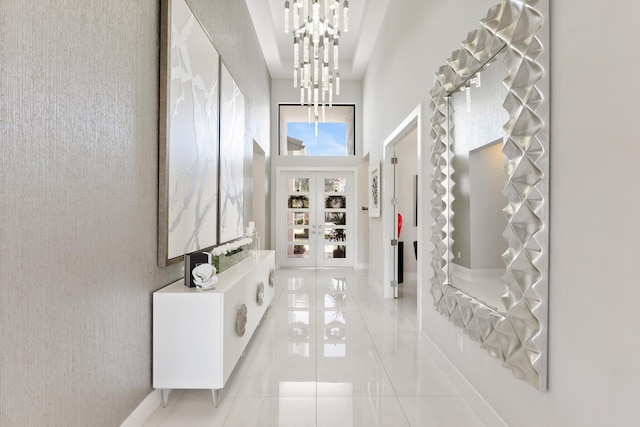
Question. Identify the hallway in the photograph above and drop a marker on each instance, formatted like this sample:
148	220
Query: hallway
330	352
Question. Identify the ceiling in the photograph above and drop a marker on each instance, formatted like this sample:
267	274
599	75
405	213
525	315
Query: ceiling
356	45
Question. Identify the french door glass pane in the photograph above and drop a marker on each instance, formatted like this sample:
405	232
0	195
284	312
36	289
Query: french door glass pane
335	251
298	251
299	185
297	218
335	185
298	235
337	234
299	202
335	218
335	202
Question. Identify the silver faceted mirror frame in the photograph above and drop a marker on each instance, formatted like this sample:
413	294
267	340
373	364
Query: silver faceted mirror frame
518	338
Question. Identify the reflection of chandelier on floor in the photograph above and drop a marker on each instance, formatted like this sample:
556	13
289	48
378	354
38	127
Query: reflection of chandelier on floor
315	38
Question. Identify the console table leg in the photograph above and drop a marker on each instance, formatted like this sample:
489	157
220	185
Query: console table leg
164	395
216	397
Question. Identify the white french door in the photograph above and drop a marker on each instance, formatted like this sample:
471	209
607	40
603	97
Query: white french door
315	218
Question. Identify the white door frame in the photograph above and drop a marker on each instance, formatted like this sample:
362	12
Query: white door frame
414	119
356	203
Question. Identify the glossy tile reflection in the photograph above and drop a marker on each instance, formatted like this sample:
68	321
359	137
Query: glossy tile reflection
330	352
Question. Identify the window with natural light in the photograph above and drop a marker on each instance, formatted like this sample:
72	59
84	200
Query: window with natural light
300	136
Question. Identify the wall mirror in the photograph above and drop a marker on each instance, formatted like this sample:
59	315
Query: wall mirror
491	187
476	117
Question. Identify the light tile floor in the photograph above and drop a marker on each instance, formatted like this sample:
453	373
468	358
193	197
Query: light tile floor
330	352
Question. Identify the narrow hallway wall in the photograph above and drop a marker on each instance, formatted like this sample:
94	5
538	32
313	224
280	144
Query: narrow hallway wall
78	199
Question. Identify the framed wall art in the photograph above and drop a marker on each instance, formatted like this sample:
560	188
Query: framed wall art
188	148
232	146
374	190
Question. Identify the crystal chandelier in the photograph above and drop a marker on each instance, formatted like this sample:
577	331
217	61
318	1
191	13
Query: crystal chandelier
316	32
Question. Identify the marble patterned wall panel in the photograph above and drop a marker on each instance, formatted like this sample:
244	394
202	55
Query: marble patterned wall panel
192	136
232	135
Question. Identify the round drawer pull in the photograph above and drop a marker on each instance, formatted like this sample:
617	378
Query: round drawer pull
272	277
241	320
260	294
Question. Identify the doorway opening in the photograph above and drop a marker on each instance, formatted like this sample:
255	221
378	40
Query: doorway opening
403	183
315	221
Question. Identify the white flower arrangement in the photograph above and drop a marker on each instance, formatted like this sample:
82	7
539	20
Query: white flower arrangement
230	247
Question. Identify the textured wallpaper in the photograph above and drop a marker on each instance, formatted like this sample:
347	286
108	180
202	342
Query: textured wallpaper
78	199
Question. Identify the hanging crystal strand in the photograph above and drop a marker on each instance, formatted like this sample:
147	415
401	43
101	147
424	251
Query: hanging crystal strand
331	90
325	47
316	18
325	77
337	83
307	71
296	60
336	19
315	27
345	20
323	106
309	112
301	95
305	10
315	100
316	70
326	10
305	48
286	16
296	17
335	54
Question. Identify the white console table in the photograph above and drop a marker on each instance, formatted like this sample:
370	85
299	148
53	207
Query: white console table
197	338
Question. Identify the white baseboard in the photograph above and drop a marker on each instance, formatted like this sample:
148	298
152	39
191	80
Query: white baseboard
144	410
479	405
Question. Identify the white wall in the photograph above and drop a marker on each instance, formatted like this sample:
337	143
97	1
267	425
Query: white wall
594	335
363	215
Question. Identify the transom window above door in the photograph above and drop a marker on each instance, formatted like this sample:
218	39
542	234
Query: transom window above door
333	135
